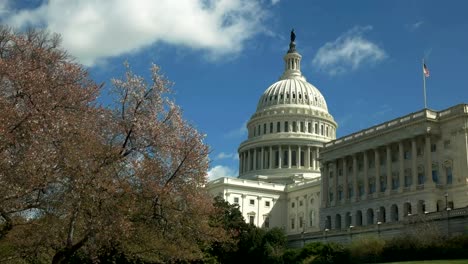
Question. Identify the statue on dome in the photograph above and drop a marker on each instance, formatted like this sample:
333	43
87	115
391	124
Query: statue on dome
293	35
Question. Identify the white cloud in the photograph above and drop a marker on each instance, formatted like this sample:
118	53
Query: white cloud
414	26
95	30
220	171
238	132
348	52
224	155
274	2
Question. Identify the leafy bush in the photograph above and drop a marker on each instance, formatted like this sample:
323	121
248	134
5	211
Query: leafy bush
368	249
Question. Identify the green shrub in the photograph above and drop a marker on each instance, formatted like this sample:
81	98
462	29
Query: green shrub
368	249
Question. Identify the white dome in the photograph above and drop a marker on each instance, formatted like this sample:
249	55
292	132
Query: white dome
292	92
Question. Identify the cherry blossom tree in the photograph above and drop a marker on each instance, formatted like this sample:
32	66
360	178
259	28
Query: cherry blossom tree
76	177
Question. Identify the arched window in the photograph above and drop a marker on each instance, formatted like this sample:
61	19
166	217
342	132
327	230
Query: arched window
338	221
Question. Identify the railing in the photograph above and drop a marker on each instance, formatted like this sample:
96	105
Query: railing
423	114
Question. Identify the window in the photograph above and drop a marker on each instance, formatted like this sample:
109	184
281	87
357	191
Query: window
420	178
236	200
252	202
361	190
331	197
419	151
407	155
321	130
301	221
258	131
311	218
383	183
264	128
371	187
277	155
281	96
433	147
293	205
448	172
316	128
350	191
302	158
286	126
292	223
309	127
301	203
340	172
278	127
267	203
293	158
294	126
255	131
435	173
340	195
251	219
331	174
285	158
302	127
266	222
271	128
395	183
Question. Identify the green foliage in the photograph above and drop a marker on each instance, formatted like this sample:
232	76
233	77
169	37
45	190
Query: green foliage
247	243
367	249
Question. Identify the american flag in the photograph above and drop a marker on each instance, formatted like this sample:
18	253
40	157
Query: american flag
425	70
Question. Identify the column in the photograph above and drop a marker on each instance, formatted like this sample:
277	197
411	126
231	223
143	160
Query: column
270	163
355	185
345	179
325	186
249	160
377	169
428	160
280	159
307	158
401	159
335	182
262	155
317	155
313	159
298	157
289	156
255	159
414	169
366	174
389	169
240	163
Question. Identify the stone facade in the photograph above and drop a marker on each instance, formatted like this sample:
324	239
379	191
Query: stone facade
414	164
294	174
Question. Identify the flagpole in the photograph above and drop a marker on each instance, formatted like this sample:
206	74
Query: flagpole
424	84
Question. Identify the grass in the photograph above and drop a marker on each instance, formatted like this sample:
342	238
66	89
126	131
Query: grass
452	261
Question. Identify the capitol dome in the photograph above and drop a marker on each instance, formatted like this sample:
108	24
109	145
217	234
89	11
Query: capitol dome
287	130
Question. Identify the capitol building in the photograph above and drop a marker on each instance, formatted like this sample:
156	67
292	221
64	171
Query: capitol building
295	174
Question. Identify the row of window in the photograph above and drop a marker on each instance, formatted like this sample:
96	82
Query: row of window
299	126
394	157
301	203
380	215
286	95
395	184
251	202
301	223
360	166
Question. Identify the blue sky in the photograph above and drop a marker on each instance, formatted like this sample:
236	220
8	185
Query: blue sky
364	56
